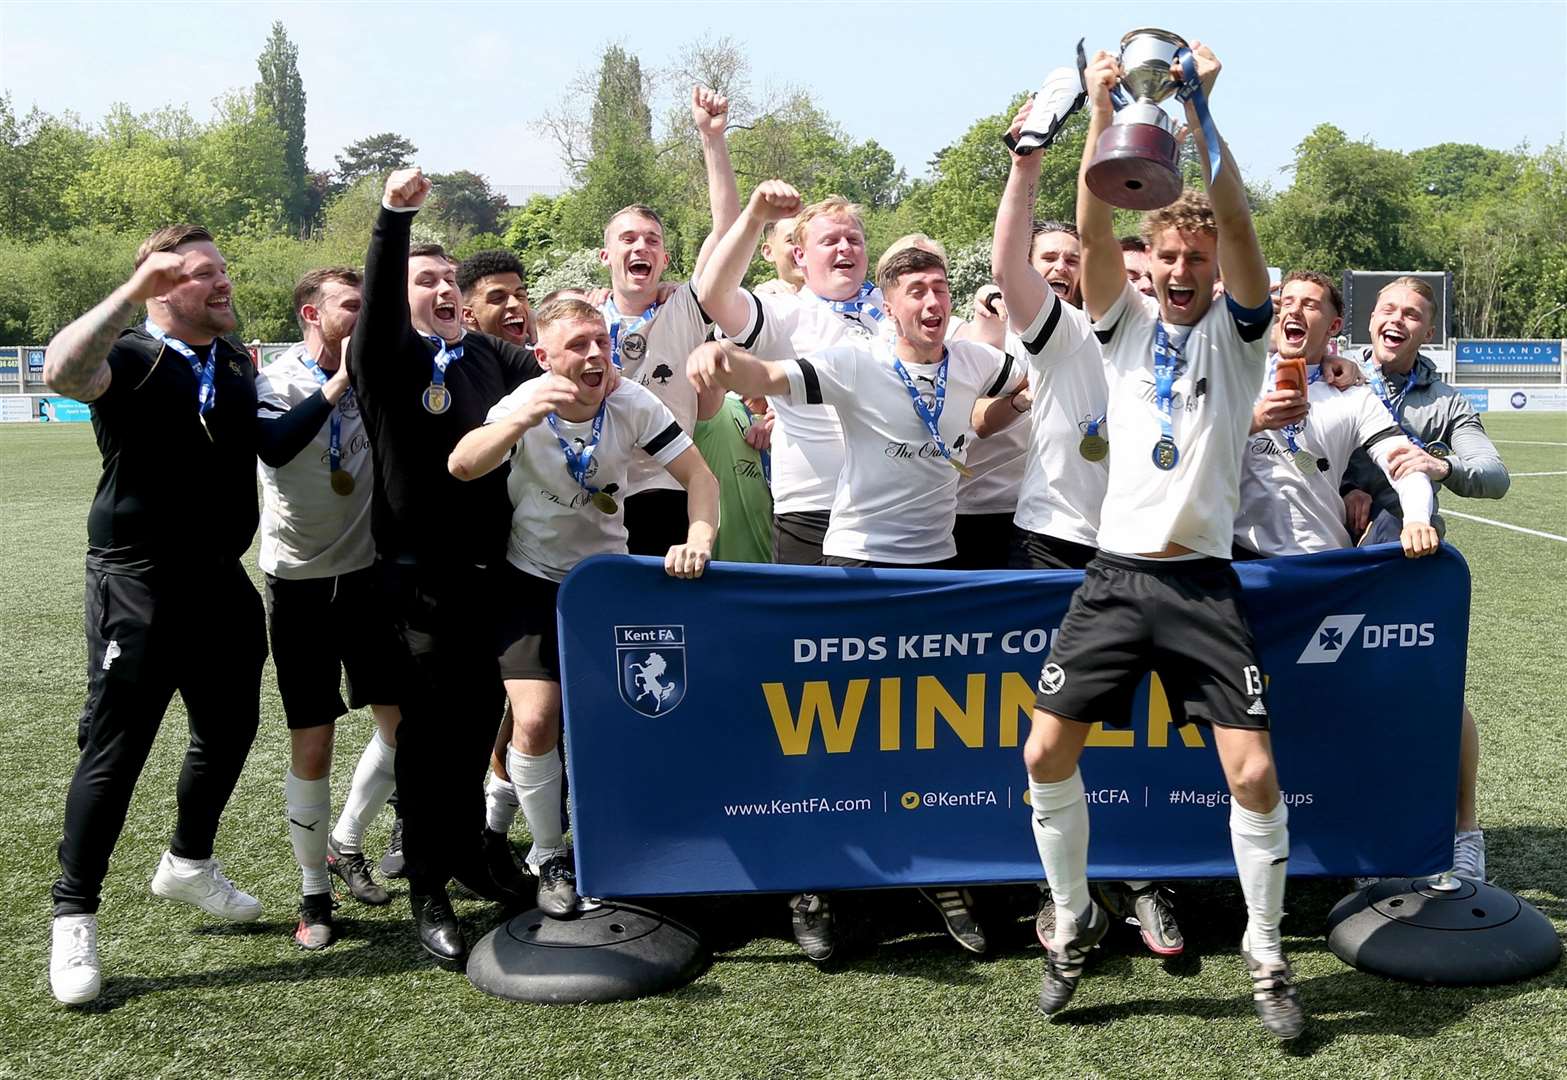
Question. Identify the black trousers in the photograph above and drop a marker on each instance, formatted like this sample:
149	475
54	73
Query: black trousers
984	540
443	618
655	522
798	536
199	631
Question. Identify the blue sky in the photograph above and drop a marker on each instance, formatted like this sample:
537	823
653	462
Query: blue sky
913	76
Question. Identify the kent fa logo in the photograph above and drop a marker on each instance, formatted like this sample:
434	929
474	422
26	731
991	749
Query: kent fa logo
652	665
1330	640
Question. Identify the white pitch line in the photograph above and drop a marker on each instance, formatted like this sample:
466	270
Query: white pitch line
1504	525
1525	442
1562	473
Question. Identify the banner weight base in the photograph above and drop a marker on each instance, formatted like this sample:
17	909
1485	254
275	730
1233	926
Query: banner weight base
611	953
1472	935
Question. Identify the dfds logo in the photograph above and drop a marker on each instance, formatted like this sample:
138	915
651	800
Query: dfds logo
1336	633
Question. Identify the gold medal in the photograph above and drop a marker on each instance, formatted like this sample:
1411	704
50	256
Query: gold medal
604	502
1093	447
1165	454
963	470
1438	449
342	481
436	399
1304	460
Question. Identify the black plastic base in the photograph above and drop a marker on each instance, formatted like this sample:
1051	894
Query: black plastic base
609	954
1475	935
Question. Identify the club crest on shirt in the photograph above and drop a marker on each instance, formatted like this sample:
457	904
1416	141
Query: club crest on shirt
634	348
348	405
651	661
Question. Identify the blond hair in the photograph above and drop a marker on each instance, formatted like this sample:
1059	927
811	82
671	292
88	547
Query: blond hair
1418	286
564	308
831	206
1192	213
912	240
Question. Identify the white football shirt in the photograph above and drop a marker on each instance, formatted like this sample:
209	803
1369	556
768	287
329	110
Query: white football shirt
307	529
654	357
1062	491
998	462
553	524
807	447
1289	510
1216	381
897	496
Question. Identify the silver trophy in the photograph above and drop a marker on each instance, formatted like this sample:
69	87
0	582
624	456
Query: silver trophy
1136	162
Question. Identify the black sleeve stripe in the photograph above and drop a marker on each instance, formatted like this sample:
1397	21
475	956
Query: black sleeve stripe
1251	331
1386	433
761	317
662	439
813	382
1049	328
1001	380
707	320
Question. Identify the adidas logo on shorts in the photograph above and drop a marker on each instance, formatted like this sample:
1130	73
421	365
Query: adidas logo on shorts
1257	708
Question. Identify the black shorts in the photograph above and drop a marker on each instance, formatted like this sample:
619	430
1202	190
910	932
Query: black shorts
797	537
530	637
655	522
983	540
1183	620
866	564
1036	551
325	630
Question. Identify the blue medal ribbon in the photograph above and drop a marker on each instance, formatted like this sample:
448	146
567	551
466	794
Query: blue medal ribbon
931	417
767	459
205	372
616	329
860	305
335	431
1165	357
445	355
577	463
1390	401
1094	425
1191	90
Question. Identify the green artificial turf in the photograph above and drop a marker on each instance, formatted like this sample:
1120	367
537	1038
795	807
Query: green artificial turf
186	997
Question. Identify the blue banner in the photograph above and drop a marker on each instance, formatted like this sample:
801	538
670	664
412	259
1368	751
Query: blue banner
63	410
786	729
1479	397
1504	351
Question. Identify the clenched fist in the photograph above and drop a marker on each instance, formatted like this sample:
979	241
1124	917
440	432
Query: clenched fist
709	111
407	189
774	200
158	273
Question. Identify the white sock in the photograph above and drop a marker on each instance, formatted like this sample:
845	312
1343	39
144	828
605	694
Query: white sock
1061	833
374	781
1262	846
500	800
309	806
182	863
537	779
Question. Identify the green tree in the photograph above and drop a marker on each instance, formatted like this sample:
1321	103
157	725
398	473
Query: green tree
374	155
462	204
283	92
39	156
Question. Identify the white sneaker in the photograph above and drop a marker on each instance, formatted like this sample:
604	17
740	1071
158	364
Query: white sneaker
73	959
1469	855
204	887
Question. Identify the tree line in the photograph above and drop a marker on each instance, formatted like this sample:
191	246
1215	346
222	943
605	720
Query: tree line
76	198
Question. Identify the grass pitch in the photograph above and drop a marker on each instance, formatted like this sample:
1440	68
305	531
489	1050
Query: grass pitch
184	996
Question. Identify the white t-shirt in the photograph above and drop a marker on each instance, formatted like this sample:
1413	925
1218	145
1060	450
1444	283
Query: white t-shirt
896	498
807	445
1287	510
307	529
1062	490
998	462
553	524
659	364
1216	383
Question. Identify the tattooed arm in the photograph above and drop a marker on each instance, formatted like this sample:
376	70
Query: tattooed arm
77	361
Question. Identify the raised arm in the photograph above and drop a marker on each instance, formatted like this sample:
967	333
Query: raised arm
710	112
483	449
383	325
1022	287
1241	264
1104	272
718	288
689	559
726	366
76	363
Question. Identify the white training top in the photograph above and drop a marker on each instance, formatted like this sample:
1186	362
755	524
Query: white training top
1216	383
1062	490
553	524
307	529
897	496
658	363
807	447
998	461
1287	510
